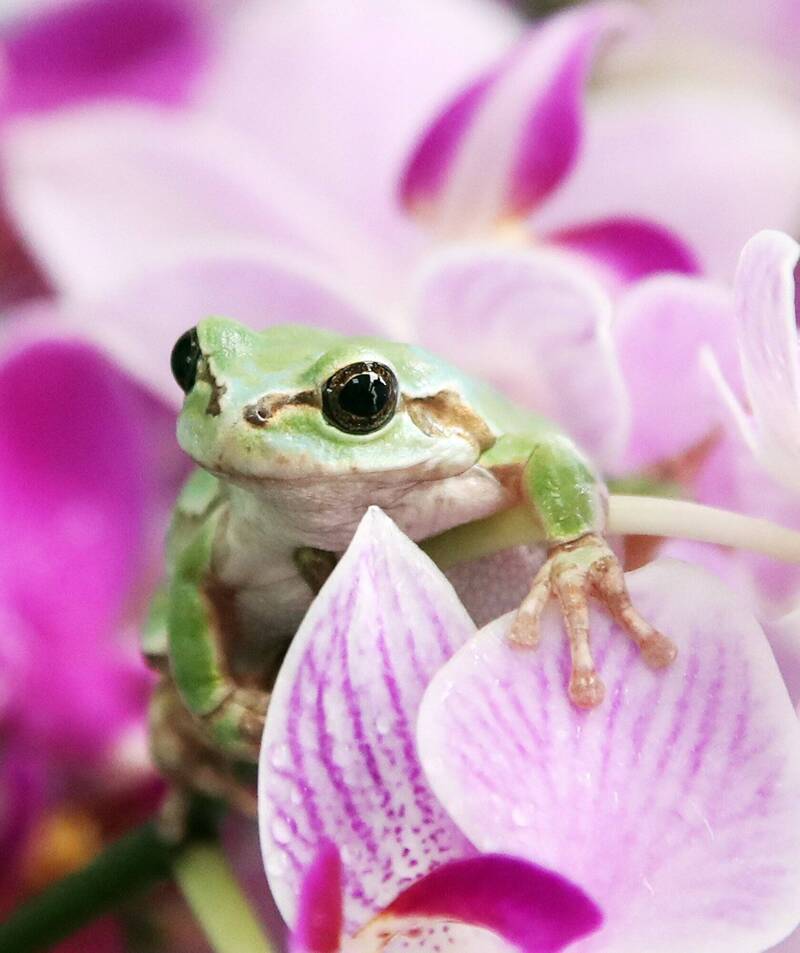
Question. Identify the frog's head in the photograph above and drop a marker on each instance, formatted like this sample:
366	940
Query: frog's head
294	402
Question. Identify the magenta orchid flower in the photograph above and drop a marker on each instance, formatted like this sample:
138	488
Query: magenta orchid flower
87	50
253	197
625	802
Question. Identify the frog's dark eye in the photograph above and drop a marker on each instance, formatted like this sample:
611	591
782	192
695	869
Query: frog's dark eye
360	398
185	357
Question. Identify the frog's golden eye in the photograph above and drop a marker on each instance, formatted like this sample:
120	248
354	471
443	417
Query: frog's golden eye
360	398
185	357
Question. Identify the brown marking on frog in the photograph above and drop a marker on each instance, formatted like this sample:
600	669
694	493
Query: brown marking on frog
265	409
446	413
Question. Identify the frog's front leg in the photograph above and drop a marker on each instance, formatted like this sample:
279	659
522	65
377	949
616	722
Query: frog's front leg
570	502
231	714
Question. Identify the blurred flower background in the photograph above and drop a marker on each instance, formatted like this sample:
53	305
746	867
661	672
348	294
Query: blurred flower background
555	200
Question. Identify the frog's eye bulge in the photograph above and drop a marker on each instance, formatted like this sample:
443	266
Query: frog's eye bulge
184	360
360	398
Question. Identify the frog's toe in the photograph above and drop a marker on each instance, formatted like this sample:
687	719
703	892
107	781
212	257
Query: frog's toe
658	651
586	689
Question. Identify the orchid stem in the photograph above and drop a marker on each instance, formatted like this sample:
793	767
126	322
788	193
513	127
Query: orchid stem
217	902
628	515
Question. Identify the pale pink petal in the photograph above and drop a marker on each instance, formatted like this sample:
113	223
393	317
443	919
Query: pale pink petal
628	249
339	759
509	138
319	913
107	192
766	323
339	92
688	158
784	637
661	328
676	804
139	323
535	325
143	49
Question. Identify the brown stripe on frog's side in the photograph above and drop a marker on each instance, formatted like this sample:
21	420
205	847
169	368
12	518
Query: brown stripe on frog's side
262	412
446	413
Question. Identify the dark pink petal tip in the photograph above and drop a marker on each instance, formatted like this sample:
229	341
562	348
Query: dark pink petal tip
319	915
508	139
141	49
629	248
536	910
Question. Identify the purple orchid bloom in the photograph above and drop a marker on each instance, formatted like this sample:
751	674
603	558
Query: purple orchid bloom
676	806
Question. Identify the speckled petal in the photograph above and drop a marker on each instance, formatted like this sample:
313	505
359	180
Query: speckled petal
339	758
661	327
676	804
536	325
506	140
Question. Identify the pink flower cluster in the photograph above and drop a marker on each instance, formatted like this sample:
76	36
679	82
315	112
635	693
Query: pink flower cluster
439	173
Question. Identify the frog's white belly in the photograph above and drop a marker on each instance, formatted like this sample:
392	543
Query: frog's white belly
266	524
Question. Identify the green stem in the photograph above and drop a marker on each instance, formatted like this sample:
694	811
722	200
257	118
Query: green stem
217	902
637	515
136	861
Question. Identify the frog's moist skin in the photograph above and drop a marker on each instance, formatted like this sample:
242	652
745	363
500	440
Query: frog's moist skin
297	432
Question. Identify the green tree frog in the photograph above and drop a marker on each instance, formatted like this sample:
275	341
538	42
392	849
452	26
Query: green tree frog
296	432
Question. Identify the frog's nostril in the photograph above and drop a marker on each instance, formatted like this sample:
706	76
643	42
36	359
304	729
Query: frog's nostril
262	412
257	414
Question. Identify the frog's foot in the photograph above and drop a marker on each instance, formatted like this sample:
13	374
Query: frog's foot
572	572
237	724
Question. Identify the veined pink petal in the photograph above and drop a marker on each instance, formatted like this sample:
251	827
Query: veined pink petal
102	194
534	910
139	323
676	804
676	156
535	325
144	49
319	914
766	322
507	140
339	92
339	759
628	249
662	325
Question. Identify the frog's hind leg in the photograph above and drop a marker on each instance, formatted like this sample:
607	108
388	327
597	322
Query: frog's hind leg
183	754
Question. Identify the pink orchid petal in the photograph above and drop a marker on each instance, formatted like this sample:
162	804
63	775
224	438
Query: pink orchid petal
731	478
766	322
507	140
676	804
138	324
338	759
144	49
74	492
784	638
676	156
628	249
662	326
532	908
104	193
361	79
535	325
319	914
